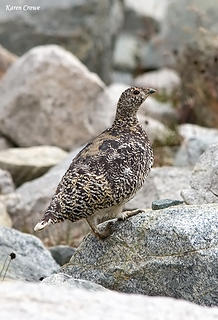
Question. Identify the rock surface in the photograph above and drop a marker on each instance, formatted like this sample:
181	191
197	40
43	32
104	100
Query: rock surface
32	261
4	143
6	60
6	182
196	141
170	252
5	219
162	183
61	110
63	280
28	300
154	8
164	80
62	253
204	179
86	28
29	163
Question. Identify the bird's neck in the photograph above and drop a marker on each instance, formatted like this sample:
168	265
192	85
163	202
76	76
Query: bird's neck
125	116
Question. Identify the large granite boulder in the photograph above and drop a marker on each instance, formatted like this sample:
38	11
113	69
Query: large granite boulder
87	28
48	97
29	163
203	186
169	252
196	141
32	261
28	300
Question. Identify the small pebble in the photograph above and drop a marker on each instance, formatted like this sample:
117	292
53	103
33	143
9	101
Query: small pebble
165	203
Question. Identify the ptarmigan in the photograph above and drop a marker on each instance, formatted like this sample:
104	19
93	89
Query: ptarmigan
107	172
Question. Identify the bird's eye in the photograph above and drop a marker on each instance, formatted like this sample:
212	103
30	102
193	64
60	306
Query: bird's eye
136	92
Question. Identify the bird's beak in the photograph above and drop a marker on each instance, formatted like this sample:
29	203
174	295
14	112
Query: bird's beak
151	91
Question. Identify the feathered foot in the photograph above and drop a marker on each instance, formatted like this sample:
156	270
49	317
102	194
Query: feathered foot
99	234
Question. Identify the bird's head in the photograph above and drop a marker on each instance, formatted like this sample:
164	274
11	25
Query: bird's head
131	99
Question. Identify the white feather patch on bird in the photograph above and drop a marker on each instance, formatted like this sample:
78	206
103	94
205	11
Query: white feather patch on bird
41	225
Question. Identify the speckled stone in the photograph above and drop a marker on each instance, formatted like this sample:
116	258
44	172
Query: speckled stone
33	261
169	252
165	203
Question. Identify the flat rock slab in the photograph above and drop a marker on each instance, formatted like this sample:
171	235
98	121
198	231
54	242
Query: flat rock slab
34	301
26	164
170	252
33	261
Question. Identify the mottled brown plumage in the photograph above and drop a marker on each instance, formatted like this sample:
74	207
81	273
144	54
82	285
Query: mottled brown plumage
107	172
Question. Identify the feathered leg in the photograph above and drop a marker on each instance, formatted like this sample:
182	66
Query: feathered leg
100	234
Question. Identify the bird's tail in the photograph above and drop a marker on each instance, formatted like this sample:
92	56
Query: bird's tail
47	220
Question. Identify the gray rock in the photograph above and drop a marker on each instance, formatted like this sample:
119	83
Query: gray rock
28	163
154	55
126	52
119	76
196	141
6	182
170	252
161	111
87	28
164	80
6	60
62	110
137	29
33	260
62	253
163	182
5	219
65	280
28	300
185	21
165	203
154	8
204	179
4	143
